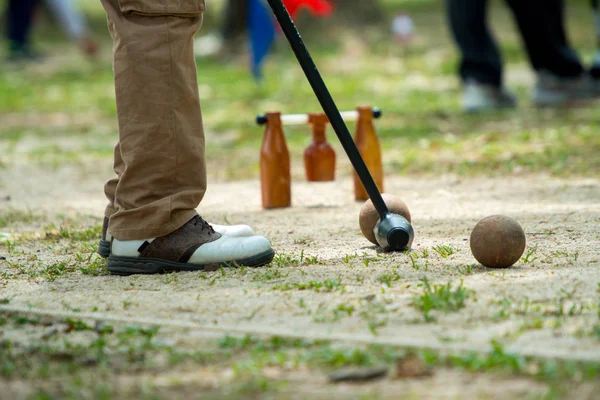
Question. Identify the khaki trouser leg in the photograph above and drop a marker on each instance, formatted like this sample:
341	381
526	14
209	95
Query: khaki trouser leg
110	187
159	160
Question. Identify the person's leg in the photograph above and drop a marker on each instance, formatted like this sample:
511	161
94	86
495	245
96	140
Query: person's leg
561	77
161	139
19	23
110	188
480	64
74	23
159	160
480	58
541	23
234	20
595	68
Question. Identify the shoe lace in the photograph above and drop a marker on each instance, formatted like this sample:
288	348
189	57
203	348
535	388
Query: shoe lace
199	221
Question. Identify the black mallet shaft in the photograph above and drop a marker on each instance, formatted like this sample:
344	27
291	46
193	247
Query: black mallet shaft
329	107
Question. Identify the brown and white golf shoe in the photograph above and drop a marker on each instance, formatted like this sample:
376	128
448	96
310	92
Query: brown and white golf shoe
227	230
196	246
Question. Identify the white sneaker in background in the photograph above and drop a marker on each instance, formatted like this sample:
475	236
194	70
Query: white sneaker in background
479	97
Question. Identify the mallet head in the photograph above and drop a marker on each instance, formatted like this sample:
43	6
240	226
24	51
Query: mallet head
394	233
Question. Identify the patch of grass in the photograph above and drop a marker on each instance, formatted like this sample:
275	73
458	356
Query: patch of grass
387	279
349	257
80	350
571	257
19	319
285	260
440	298
171	278
247	342
366	259
540	315
282	351
374	314
251	316
414	264
255	385
286	352
305	240
343	310
445	251
312	260
501	361
93	265
53	271
323	315
327	285
73	230
530	324
596	331
61	355
562	310
85	234
565	294
90	264
498	359
528	257
47	271
270	274
12	216
467	269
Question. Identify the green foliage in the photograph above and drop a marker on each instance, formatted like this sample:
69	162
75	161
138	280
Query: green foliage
12	216
440	298
445	251
387	279
528	257
327	285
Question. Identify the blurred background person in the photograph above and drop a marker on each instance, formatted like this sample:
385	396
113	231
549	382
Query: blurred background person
19	20
595	70
74	24
560	76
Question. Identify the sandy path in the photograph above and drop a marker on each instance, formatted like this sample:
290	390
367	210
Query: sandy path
560	217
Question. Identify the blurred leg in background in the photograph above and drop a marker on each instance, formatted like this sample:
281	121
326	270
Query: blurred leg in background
19	16
73	22
560	74
480	64
230	39
595	70
235	20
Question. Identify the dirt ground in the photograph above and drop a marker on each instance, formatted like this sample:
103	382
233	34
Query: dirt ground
556	286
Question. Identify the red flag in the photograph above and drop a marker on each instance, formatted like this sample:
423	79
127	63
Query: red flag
316	7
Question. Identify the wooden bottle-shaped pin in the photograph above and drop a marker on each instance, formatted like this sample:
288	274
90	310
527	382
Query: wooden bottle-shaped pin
368	145
275	178
319	156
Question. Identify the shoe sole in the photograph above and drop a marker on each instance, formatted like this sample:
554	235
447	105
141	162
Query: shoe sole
104	248
134	265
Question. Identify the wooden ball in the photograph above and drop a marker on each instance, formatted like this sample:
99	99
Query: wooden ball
368	214
497	241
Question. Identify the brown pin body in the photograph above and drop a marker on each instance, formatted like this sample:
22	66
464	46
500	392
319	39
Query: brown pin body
275	177
368	145
319	156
